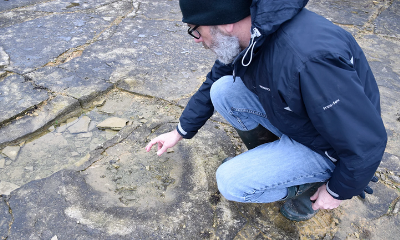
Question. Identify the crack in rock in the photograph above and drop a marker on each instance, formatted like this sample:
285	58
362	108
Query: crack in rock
77	51
12	216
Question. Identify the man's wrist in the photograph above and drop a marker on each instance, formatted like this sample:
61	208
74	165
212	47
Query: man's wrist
332	193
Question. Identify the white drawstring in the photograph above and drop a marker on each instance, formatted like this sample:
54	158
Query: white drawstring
251	46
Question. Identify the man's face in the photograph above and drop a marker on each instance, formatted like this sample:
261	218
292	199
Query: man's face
224	46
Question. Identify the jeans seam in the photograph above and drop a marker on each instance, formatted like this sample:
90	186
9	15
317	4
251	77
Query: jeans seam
238	120
246	195
245	110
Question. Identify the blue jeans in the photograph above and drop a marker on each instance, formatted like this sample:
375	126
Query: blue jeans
262	174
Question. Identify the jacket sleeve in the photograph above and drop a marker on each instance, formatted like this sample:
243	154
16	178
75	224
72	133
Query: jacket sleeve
343	113
199	108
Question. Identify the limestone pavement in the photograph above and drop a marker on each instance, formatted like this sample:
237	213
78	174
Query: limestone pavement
85	84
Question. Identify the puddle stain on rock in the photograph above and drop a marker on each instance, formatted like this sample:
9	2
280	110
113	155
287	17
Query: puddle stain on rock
65	144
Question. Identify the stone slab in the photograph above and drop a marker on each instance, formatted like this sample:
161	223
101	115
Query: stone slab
5	217
364	217
34	43
146	197
143	62
160	10
17	96
344	12
113	123
388	22
59	149
81	126
108	9
13	17
68	6
390	162
382	54
7	5
11	152
82	82
26	125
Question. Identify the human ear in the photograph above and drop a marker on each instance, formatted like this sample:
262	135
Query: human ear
227	28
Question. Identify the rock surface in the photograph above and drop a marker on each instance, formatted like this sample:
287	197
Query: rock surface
66	67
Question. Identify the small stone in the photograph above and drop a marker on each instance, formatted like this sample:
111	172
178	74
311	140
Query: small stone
54	238
4	58
6	187
62	128
113	123
85	135
71	121
336	221
99	103
29	168
2	163
130	198
110	133
357	235
3	74
74	154
170	150
143	121
394	178
79	23
115	166
82	125
148	168
142	35
11	151
396	208
107	18
51	129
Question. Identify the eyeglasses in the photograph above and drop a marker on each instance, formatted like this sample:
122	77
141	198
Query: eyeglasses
194	33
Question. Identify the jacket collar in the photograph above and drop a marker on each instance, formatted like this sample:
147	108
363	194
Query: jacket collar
266	17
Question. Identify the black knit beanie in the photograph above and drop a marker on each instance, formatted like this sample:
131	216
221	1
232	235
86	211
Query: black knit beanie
214	12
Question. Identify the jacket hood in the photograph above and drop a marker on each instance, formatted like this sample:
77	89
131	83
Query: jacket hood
266	17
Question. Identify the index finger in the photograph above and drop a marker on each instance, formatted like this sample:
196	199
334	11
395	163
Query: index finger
151	143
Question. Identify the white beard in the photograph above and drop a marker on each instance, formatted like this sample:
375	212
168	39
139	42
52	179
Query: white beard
225	47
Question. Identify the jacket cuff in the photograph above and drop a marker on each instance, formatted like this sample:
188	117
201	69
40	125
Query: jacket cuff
183	133
332	193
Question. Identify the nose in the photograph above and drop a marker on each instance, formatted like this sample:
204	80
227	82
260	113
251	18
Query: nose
198	40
